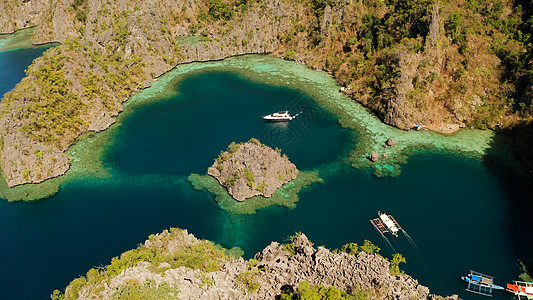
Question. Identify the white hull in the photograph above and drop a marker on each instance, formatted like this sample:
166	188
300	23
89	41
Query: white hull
280	116
389	223
270	118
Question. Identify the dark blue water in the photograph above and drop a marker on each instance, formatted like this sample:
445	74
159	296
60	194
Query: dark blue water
462	214
13	64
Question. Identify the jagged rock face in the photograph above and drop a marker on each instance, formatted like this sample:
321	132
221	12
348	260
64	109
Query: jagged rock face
109	50
123	45
17	14
343	271
25	160
58	23
192	284
252	170
276	270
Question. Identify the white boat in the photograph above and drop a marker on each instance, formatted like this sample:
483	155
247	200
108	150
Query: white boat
391	225
283	115
386	224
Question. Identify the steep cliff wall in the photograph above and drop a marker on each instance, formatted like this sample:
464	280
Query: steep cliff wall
17	14
441	66
109	51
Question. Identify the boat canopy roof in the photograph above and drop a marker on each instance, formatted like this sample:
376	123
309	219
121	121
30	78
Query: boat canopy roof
486	280
480	283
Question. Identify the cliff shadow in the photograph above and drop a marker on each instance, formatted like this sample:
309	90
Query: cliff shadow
517	185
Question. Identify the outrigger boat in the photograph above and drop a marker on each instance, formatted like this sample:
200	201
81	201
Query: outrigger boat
283	115
480	283
386	224
521	289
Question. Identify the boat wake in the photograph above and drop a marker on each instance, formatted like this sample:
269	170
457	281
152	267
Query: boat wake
387	224
415	247
389	244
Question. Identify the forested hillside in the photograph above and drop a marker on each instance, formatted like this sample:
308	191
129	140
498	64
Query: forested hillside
439	64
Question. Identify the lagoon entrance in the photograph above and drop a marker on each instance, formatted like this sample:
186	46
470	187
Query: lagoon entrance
460	213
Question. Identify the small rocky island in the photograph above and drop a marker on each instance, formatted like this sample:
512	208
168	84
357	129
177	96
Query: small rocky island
252	169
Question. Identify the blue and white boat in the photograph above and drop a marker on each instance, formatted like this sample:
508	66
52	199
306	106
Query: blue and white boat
480	283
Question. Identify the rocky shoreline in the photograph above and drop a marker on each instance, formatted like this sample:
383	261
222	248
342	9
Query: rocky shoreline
275	270
99	105
252	169
110	51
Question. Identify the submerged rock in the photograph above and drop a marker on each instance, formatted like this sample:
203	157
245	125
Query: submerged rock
252	169
374	156
390	142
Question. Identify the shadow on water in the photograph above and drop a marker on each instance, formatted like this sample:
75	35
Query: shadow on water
518	189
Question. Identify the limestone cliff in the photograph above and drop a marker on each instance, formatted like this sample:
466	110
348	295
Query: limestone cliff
109	51
17	14
252	169
442	66
174	264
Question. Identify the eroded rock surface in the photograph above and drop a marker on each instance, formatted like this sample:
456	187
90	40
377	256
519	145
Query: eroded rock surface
273	271
439	78
18	14
108	51
252	169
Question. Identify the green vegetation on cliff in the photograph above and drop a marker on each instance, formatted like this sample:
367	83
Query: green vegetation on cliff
57	112
369	247
414	62
163	248
421	62
174	264
308	292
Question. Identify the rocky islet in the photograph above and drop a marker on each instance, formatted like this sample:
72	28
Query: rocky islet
252	169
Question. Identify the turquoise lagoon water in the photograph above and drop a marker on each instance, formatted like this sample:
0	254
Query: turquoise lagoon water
461	214
185	133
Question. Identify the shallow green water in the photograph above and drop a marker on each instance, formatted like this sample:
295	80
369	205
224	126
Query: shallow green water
461	213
